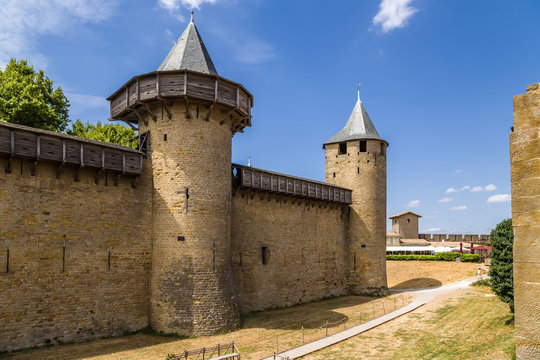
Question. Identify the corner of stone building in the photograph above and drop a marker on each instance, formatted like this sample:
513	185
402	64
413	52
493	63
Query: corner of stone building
525	181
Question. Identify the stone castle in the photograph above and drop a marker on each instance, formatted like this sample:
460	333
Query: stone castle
98	239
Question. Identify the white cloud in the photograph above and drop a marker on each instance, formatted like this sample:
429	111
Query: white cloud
393	14
454	190
432	230
254	51
413	204
172	5
80	102
489	187
23	22
458	208
445	200
499	198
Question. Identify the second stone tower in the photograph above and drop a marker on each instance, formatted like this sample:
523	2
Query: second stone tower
355	158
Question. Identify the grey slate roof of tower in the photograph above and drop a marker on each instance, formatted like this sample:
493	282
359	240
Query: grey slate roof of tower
189	53
358	127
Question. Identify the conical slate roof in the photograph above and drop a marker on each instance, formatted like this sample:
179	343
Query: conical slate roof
358	127
189	53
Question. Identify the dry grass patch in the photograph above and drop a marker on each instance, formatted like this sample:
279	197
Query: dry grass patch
425	274
261	332
462	325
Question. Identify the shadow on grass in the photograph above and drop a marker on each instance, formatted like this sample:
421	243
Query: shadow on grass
417	283
98	347
309	315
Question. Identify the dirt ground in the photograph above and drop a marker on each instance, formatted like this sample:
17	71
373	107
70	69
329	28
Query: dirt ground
263	333
425	274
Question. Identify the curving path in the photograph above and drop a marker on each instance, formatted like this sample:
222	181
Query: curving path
422	297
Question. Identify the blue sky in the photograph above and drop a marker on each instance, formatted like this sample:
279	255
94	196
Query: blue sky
437	80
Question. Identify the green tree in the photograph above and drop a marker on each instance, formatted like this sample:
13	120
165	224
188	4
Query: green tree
28	98
113	133
502	267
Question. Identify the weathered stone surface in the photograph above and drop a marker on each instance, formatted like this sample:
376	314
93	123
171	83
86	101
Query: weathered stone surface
306	241
525	174
101	286
365	174
191	280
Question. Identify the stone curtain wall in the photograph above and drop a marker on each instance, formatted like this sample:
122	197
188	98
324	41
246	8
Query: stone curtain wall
525	170
101	288
305	243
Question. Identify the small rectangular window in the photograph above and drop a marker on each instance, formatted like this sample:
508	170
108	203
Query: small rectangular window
363	146
382	149
265	255
342	148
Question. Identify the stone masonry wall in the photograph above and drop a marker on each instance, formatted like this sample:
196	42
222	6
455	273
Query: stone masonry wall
525	170
365	174
191	281
407	230
305	243
101	288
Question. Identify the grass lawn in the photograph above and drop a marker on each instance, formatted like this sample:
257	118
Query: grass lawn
469	324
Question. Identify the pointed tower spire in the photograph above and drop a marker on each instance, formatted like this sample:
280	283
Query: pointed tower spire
189	53
358	127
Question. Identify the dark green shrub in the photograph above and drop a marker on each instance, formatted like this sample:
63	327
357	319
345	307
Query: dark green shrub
411	257
501	270
447	256
469	257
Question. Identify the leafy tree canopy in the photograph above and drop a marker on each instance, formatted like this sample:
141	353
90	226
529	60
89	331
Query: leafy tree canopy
28	98
502	267
113	133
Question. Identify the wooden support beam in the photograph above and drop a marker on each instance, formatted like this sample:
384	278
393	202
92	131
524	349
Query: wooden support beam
154	117
164	105
186	102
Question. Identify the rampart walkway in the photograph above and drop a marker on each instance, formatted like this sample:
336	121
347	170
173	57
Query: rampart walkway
422	297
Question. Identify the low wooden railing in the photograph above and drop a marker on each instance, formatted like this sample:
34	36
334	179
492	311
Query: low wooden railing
218	352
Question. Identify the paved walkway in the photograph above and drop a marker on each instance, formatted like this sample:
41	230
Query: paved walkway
422	297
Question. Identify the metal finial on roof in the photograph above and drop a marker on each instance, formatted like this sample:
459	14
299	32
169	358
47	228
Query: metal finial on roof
189	53
358	127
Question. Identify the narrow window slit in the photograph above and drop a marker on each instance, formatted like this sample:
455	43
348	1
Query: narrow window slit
64	255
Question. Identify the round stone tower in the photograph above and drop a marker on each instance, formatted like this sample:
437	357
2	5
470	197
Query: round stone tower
355	158
186	115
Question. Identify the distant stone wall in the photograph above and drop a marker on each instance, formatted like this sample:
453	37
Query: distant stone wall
455	237
286	250
525	173
74	255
